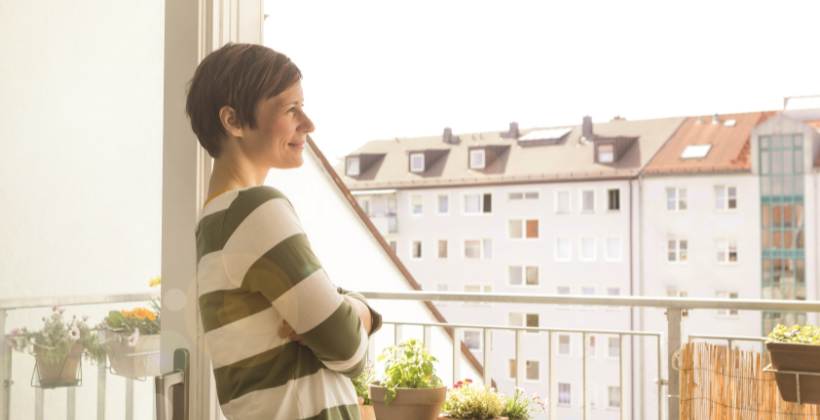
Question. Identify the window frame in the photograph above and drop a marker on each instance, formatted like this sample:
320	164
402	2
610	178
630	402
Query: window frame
677	251
727	246
414	169
526	378
523	229
607	257
483	155
726	198
358	161
558	345
727	313
609	201
446	249
438	204
677	199
482	288
569	289
609	356
480	204
480	338
555	253
609	405
613	308
557	200
523	276
594	293
413	250
581	201
611	153
421	206
569	388
581	249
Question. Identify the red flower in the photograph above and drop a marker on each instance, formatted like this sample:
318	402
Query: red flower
468	380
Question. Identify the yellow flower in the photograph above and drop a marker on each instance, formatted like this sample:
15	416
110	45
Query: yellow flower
140	313
155	281
127	314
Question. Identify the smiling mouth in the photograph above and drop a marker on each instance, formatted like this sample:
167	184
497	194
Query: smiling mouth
297	144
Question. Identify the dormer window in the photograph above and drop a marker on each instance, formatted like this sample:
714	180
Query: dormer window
352	168
417	162
477	159
606	153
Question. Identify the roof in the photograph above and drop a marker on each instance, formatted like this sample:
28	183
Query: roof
730	147
570	159
389	251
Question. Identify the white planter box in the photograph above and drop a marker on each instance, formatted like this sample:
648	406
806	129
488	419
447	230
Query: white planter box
136	362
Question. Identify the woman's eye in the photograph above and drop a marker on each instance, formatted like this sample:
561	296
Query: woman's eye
292	109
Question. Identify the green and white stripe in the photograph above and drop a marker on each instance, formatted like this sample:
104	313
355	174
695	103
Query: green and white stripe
256	269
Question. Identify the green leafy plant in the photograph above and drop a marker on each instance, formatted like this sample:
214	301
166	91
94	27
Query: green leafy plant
521	407
796	334
140	321
475	402
408	365
360	382
55	339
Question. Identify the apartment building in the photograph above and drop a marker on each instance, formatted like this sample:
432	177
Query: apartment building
544	210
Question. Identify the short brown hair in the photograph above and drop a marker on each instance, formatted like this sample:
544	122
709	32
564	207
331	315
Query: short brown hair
239	76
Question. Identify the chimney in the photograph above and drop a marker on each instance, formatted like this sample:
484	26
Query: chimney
513	133
586	128
448	136
715	119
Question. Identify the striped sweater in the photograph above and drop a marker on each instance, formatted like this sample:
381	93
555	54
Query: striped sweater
255	268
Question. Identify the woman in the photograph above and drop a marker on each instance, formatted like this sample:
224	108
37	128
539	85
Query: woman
282	338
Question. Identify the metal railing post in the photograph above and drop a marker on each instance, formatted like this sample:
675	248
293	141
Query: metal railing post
6	414
428	337
456	354
101	377
553	379
5	398
626	402
520	370
71	403
585	385
673	317
661	381
39	401
397	333
488	342
129	399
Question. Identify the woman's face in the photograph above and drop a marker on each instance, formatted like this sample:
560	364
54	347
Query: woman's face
281	130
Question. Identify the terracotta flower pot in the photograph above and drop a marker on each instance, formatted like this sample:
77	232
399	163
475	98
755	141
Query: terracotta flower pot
409	404
452	418
366	411
796	357
134	367
64	371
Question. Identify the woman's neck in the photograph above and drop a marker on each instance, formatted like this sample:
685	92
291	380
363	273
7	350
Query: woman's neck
234	171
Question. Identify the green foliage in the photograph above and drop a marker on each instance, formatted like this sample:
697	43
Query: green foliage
520	407
796	334
407	366
56	338
140	319
362	381
474	402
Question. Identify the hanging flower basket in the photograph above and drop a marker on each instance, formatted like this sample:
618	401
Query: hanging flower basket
136	362
60	373
795	357
409	403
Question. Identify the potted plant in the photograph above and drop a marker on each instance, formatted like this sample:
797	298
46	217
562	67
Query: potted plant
474	402
409	389
521	407
58	348
360	383
796	349
133	348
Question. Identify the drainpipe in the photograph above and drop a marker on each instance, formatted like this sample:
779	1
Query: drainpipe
641	293
631	293
816	268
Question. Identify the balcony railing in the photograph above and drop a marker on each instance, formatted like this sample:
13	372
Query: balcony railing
667	399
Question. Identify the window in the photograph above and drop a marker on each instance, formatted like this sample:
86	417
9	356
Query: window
516	319
727	295
677	250
614	348
695	151
606	153
478	203
563	290
488	249
563	249
521	229
613	200
726	250
523	276
516	196
442	287
444	204
676	199
513	370
614	397
588	201
588	249
726	198
475	288
472	339
591	348
593	396
415	205
613	291
442	248
393	246
588	291
365	205
352	166
532	370
562	202
613	249
417	162
531	195
416	250
564	347
477	159
564	394
472	249
532	320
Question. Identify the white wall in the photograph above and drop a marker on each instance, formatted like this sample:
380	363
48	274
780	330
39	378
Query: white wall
354	259
80	171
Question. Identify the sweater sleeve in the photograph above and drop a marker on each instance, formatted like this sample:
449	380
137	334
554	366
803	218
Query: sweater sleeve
291	278
376	317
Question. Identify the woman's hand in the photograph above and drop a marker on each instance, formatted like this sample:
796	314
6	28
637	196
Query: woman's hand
287	331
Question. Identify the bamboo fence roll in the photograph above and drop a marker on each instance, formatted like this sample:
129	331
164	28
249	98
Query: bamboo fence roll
719	383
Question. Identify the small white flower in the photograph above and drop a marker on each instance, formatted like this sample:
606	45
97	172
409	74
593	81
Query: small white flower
132	340
56	315
15	331
54	307
61	310
85	318
74	333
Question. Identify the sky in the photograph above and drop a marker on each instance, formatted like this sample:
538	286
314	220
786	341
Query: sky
376	70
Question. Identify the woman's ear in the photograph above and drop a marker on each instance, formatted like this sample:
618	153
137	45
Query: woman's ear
227	116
